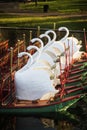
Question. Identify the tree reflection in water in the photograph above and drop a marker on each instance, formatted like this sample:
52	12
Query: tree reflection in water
33	123
66	122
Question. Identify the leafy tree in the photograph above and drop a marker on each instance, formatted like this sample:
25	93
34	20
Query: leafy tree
84	75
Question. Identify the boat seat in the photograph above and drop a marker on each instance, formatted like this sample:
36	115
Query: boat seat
35	101
20	102
50	95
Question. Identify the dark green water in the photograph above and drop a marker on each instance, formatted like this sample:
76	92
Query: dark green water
74	119
34	123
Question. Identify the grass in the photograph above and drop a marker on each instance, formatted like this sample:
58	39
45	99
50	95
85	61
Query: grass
60	6
63	8
44	22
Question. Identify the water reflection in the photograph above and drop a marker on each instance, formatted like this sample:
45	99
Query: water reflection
55	122
34	123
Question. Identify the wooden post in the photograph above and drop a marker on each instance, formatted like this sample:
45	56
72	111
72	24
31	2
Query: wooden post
11	70
24	42
85	39
72	48
54	26
11	59
69	52
38	31
30	37
65	54
18	45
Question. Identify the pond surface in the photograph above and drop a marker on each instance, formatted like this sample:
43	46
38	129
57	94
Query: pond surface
77	120
34	123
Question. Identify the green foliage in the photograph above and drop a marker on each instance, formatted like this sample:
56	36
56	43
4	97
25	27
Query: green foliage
84	66
84	75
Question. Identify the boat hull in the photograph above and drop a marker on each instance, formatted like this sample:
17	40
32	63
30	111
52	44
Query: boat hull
57	106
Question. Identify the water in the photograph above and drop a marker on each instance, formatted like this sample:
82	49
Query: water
77	120
34	123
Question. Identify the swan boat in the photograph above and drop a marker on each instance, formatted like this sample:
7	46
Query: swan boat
71	90
71	93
